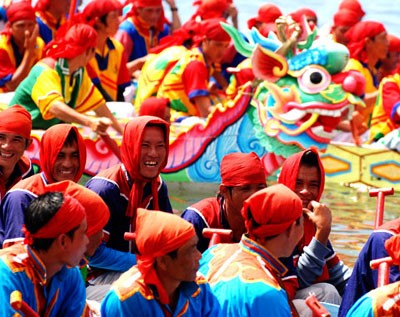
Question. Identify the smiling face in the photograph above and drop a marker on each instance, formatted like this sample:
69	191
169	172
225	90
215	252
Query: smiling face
12	147
308	183
153	152
67	163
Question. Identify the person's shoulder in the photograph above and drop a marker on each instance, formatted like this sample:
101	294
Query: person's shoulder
131	283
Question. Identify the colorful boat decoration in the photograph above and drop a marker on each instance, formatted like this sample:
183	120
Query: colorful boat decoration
299	96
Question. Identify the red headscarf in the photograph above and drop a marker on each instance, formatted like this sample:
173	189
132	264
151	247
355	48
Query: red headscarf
345	17
288	177
211	29
148	3
42	5
20	11
154	106
157	234
98	8
210	9
296	15
141	25
352	5
357	36
17	120
392	246
69	216
267	13
271	211
97	213
130	157
51	144
74	42
394	43
238	169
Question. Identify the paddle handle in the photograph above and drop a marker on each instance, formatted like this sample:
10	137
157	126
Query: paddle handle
380	193
217	235
18	304
383	266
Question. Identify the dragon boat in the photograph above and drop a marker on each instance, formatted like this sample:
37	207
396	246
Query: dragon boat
298	97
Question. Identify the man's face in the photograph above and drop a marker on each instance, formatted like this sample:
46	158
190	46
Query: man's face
18	29
150	15
184	267
12	147
214	50
67	163
153	152
75	247
60	7
113	21
234	199
308	183
94	242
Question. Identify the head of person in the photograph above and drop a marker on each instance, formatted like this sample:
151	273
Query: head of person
21	18
62	153
144	153
56	223
103	15
97	213
15	135
149	11
304	173
391	61
271	212
56	7
354	6
79	40
241	176
166	250
210	9
309	15
367	39
214	40
156	107
343	20
267	14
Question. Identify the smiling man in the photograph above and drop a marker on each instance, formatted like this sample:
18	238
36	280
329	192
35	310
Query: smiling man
165	280
15	137
62	157
134	183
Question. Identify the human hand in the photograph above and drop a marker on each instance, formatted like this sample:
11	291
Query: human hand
321	216
100	125
30	39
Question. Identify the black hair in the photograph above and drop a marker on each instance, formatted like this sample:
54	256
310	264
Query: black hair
71	138
310	159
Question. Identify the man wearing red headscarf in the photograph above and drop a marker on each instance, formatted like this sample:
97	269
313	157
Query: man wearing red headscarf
15	138
368	45
245	276
134	183
266	15
51	15
314	265
143	28
58	88
343	20
354	6
308	14
62	157
165	280
20	45
107	68
44	270
186	85
241	176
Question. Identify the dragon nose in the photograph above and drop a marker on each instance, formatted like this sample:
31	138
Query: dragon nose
354	83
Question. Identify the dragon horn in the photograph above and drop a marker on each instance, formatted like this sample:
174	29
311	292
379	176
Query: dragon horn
241	45
267	43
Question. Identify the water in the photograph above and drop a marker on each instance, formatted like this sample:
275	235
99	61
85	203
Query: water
352	209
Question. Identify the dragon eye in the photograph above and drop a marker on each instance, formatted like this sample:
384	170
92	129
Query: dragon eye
314	79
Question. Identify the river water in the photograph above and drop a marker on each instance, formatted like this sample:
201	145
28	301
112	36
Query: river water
353	212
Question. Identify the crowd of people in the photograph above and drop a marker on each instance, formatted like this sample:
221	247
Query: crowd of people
114	246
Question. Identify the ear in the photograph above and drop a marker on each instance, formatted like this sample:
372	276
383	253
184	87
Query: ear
28	143
62	241
162	262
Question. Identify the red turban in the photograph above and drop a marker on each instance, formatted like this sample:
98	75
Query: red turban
97	213
267	13
154	106
213	30
130	157
352	5
51	144
17	120
148	3
210	9
345	17
358	34
20	11
74	42
42	5
238	169
296	15
157	234
69	216
98	8
394	43
271	211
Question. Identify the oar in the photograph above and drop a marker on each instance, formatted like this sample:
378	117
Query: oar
383	266
380	193
217	235
18	304
318	310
